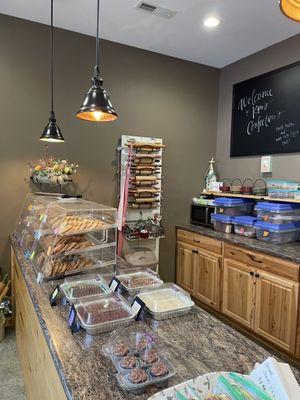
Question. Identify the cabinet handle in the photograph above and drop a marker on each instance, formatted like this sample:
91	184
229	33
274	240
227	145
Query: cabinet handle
251	273
256	275
195	251
196	241
253	258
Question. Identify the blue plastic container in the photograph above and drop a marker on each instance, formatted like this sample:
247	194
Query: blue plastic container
277	233
244	225
233	206
278	213
222	223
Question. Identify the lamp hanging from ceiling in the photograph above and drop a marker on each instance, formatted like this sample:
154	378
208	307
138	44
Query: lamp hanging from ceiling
97	106
52	132
291	9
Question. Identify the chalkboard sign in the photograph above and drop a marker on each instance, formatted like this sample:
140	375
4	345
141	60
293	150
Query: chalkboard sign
266	114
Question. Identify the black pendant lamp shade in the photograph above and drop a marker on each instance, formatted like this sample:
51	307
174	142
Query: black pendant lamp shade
52	132
291	9
97	106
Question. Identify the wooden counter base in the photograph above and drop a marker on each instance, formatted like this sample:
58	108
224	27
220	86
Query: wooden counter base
41	379
257	291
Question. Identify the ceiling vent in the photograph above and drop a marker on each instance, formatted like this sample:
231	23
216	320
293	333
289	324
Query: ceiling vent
154	9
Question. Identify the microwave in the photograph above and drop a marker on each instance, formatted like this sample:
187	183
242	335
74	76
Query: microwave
201	214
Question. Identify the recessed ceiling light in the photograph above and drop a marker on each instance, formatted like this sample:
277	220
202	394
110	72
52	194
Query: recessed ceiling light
211	22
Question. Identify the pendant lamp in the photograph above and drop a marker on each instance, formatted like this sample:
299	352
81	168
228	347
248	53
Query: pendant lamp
97	106
52	132
291	9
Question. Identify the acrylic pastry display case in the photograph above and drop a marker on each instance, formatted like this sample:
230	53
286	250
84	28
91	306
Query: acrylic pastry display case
66	236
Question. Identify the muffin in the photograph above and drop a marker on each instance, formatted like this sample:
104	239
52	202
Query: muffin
138	375
159	369
128	362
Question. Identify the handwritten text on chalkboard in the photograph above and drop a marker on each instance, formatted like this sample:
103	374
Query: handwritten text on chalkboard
266	114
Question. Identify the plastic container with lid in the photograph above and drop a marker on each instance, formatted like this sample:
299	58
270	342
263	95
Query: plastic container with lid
244	225
139	378
103	314
278	213
277	233
233	206
167	301
82	286
222	223
135	280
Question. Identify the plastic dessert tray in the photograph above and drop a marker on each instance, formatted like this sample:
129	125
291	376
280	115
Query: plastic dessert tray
135	281
78	287
99	315
139	358
125	381
168	301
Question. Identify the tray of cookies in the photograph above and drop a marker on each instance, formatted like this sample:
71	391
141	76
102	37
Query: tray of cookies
54	267
83	286
139	358
103	314
72	244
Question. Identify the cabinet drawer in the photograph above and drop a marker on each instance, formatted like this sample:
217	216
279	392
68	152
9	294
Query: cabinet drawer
270	264
206	243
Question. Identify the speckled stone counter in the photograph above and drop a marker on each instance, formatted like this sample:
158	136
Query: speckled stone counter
287	251
198	343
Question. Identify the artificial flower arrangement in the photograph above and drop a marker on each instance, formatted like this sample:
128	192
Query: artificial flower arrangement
51	170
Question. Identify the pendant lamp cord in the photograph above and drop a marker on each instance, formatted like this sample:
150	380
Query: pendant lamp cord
52	57
97	42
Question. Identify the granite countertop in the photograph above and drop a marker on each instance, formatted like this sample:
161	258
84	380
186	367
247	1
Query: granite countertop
198	343
287	251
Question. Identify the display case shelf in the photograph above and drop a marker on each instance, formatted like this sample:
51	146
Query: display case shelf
66	236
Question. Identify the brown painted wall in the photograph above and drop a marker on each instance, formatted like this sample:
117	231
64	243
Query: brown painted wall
279	55
155	95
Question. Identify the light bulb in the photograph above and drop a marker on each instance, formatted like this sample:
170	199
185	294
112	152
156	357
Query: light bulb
97	115
211	22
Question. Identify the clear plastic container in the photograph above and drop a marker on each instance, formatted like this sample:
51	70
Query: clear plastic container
136	339
98	315
233	206
278	213
167	301
222	223
140	256
139	358
278	184
82	286
139	378
244	225
135	280
58	266
281	194
62	236
277	233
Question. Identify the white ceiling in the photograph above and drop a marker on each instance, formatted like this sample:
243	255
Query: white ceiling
247	26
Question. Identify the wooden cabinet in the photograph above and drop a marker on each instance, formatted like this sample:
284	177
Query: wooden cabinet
258	291
197	270
185	267
207	278
276	310
238	292
39	372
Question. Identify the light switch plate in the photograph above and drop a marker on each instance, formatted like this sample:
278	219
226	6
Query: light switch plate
266	164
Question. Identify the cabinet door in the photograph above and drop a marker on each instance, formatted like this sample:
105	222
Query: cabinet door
276	310
185	266
207	278
238	292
